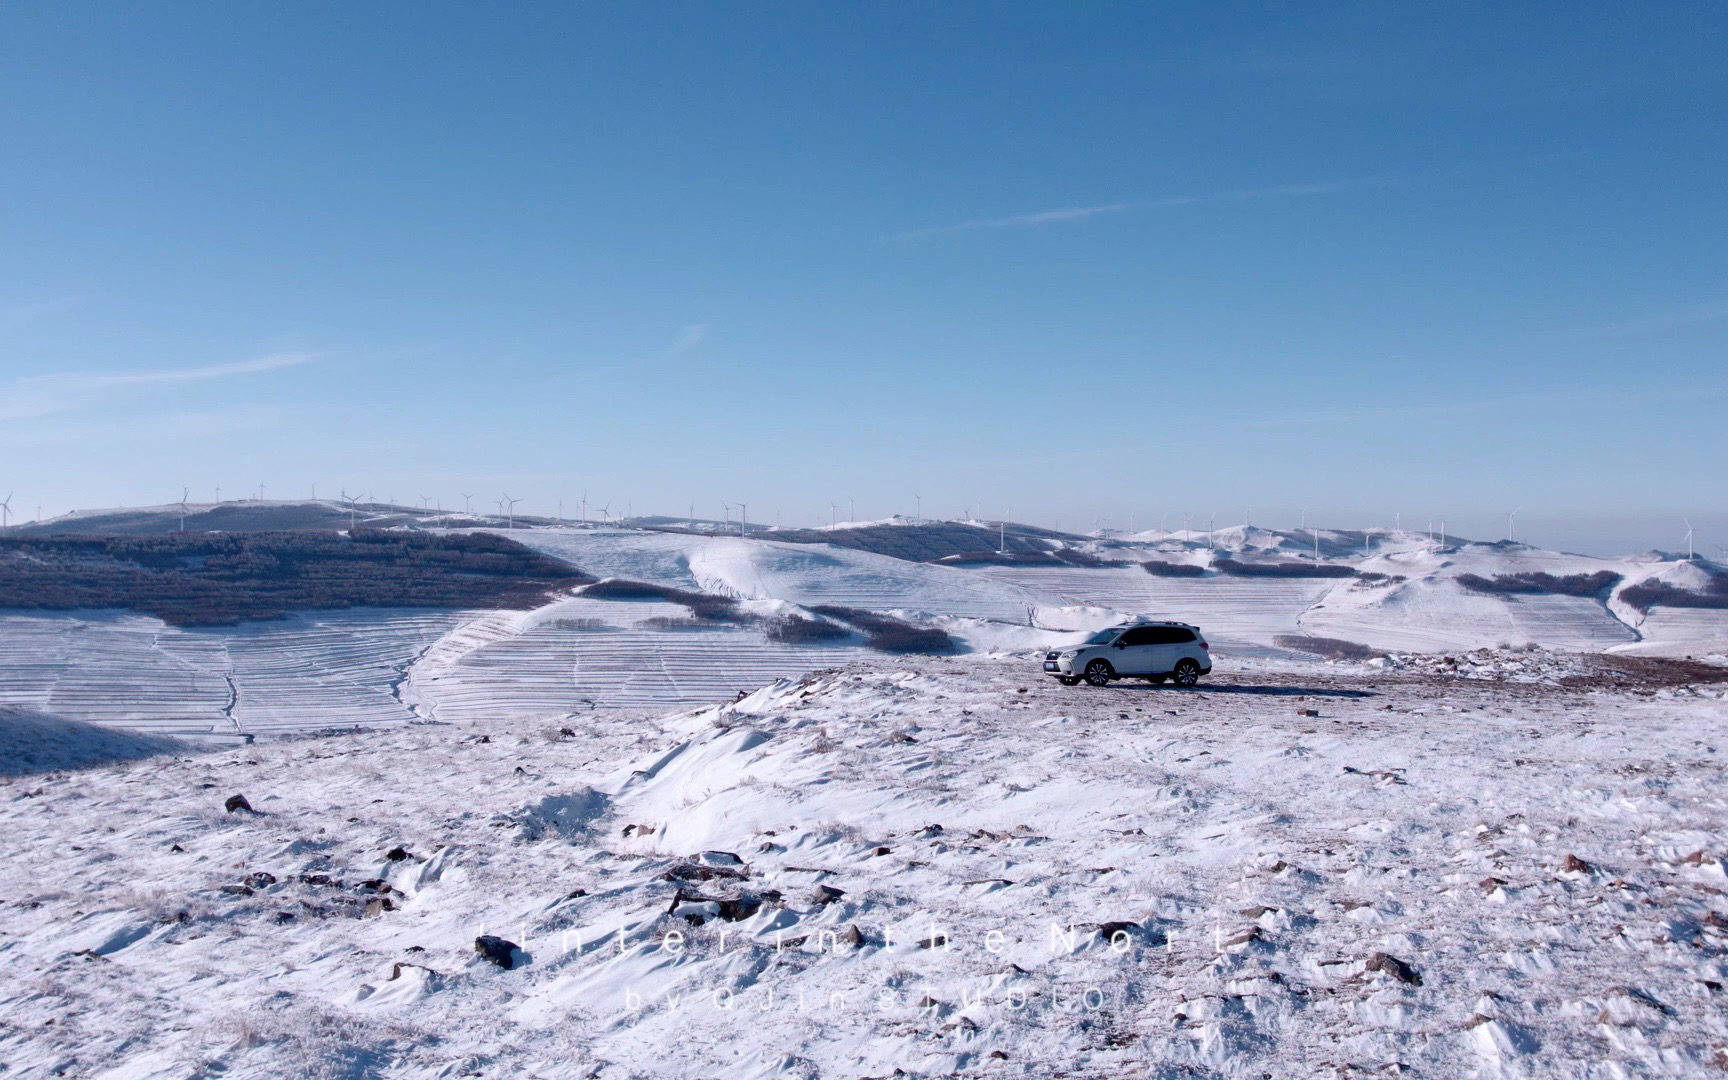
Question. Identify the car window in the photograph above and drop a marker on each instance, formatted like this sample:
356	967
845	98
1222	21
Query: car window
1102	637
1141	635
1168	635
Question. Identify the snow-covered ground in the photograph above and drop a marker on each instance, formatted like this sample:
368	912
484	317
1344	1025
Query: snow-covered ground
335	669
1507	866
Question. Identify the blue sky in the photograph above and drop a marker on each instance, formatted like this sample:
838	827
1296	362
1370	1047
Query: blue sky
1093	262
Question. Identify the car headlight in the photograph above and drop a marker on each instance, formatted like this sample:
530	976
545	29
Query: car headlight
1070	654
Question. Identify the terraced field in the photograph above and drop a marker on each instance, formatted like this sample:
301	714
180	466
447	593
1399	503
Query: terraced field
1240	614
1436	616
369	668
116	668
584	654
328	671
306	672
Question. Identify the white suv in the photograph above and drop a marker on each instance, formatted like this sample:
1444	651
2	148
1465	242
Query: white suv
1152	651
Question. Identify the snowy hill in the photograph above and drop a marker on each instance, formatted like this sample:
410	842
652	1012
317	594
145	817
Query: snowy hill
33	742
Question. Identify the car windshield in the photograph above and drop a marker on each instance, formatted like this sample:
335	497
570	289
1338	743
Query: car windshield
1103	637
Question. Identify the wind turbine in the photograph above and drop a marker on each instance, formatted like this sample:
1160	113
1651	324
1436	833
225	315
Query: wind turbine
1512	525
6	509
833	515
918	515
851	508
351	500
606	511
743	517
1689	555
183	493
260	492
509	506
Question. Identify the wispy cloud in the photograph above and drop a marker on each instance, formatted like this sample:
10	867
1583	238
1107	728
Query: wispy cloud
1656	324
43	395
690	337
1081	213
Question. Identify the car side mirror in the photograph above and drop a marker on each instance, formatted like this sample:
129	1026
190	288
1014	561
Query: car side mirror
1121	644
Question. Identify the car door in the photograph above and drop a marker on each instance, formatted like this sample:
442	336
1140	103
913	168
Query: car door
1173	643
1136	651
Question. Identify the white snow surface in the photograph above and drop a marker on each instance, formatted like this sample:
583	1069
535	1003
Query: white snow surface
1247	864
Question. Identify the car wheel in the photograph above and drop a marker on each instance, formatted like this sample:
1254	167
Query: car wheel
1187	673
1068	680
1098	672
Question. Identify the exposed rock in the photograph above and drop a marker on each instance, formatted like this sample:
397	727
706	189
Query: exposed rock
397	854
741	908
378	905
497	950
881	851
691	871
1575	865
237	890
852	936
1307	712
236	803
1107	931
826	894
1391	965
258	879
